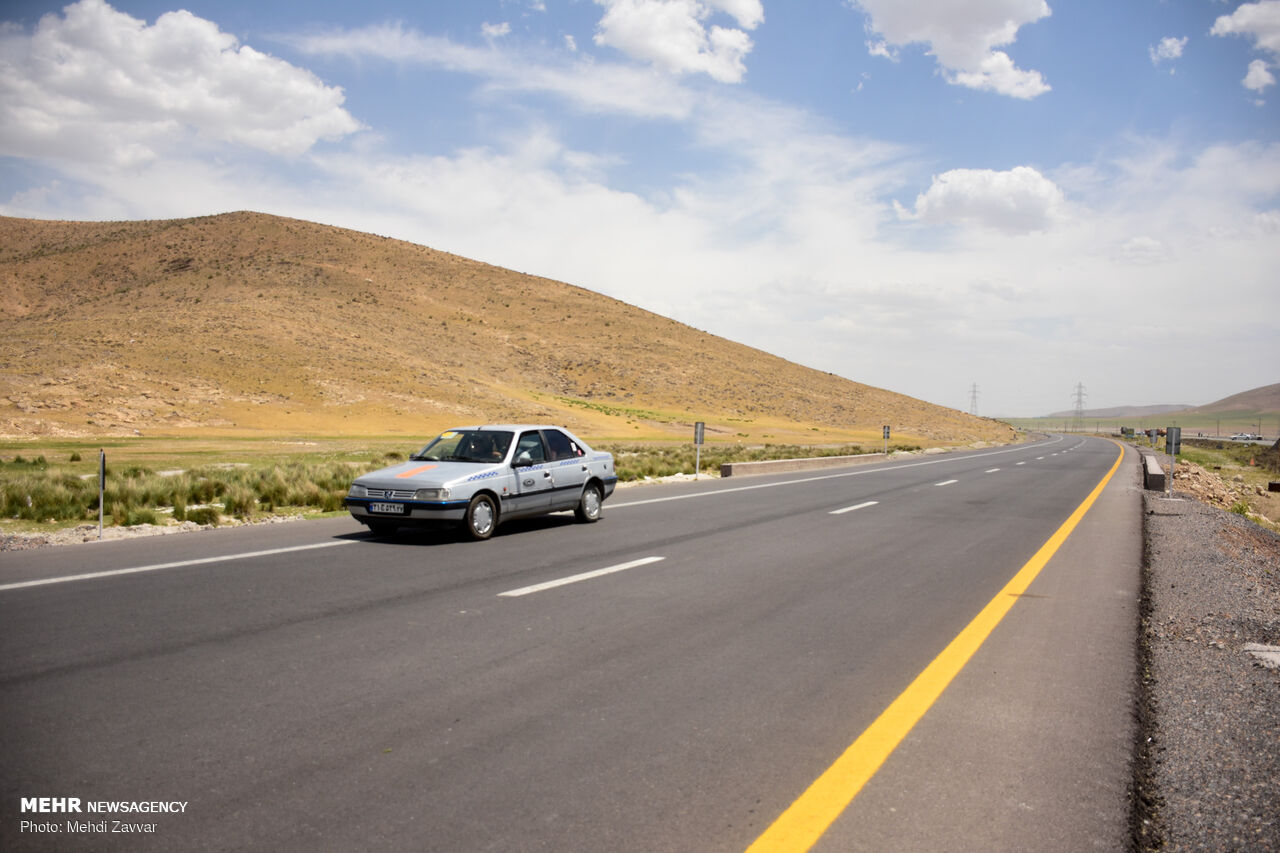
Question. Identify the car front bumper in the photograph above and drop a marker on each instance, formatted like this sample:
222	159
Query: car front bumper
413	512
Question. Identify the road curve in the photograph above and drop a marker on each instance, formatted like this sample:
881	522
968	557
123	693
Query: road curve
674	677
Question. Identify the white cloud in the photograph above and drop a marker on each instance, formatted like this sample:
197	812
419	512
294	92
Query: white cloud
96	84
963	37
881	48
673	36
1259	76
493	31
1260	20
1018	201
1169	48
589	86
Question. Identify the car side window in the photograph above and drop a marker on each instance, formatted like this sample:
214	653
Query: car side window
529	449
561	446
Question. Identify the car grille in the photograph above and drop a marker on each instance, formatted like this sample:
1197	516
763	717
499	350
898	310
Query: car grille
393	494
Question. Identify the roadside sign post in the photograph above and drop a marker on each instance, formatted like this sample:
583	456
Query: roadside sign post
1173	446
699	429
102	487
886	440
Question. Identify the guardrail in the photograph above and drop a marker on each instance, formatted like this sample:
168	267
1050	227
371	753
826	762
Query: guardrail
1152	473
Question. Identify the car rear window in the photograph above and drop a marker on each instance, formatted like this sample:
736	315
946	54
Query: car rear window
562	447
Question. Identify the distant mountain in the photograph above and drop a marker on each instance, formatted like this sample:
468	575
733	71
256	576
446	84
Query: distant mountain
1122	412
1258	401
1264	400
249	324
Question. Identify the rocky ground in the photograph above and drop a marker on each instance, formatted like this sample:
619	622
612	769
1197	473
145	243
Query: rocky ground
1208	767
1228	493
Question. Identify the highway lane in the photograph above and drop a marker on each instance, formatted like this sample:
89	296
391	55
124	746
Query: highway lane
389	695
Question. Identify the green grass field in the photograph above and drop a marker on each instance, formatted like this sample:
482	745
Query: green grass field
1266	424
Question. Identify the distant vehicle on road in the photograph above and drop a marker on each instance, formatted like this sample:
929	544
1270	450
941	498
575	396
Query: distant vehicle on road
480	476
1246	436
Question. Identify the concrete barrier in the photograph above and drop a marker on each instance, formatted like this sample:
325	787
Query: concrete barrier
1152	473
781	466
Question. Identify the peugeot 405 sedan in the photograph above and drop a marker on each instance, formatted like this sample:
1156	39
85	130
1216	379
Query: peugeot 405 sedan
480	476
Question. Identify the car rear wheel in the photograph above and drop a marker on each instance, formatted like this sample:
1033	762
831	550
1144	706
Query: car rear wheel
481	518
589	507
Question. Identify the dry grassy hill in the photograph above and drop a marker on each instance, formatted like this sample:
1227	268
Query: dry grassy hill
1265	399
250	323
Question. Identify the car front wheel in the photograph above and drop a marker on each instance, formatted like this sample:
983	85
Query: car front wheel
588	509
481	518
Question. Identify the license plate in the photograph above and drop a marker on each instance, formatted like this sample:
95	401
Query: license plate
387	509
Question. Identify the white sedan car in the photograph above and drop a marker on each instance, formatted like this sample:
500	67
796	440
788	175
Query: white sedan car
480	476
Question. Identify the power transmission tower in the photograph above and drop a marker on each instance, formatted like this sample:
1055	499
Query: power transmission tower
1077	420
973	399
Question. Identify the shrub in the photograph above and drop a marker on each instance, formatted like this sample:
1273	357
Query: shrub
129	516
204	515
239	501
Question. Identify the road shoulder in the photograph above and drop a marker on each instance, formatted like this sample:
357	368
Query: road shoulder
1209	768
1031	746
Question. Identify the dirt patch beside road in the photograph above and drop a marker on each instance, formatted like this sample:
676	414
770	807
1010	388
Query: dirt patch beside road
1207	775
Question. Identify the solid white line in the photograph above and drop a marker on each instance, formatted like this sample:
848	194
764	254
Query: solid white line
178	565
539	587
946	482
852	508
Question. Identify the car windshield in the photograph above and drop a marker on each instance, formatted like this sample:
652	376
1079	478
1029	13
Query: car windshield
466	445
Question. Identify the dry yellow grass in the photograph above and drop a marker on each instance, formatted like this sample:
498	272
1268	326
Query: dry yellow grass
244	324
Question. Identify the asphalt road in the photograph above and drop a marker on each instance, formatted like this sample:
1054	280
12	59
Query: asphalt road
306	687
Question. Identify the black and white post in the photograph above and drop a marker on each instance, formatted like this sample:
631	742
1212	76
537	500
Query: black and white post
699	429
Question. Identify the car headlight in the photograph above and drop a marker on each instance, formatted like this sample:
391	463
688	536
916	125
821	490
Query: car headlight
358	491
431	494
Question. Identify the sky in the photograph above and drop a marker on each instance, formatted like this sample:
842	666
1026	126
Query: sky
990	201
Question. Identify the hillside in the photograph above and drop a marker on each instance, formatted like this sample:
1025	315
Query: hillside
245	323
1264	400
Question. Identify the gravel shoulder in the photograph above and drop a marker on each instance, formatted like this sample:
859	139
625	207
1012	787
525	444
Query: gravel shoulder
1207	773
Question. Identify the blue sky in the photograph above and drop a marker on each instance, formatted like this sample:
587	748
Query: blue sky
924	195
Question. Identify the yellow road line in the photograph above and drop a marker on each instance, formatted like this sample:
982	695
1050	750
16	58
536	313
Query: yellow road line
804	822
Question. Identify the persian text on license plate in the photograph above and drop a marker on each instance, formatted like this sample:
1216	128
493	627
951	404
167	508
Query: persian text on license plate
387	509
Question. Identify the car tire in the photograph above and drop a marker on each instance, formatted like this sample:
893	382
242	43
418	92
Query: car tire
481	518
589	507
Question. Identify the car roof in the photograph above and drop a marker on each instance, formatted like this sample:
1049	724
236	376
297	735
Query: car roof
511	427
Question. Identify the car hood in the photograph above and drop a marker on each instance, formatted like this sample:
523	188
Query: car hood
417	475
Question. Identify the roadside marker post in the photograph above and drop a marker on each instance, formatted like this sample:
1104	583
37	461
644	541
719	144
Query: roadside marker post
1173	446
699	430
886	440
102	487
